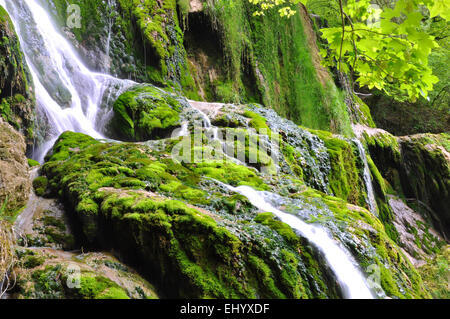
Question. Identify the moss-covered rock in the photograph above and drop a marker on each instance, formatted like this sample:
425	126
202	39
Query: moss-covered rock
193	238
345	176
417	167
16	87
180	246
51	274
40	185
144	113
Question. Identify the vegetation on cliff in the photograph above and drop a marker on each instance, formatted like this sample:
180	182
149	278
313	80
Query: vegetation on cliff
160	193
16	88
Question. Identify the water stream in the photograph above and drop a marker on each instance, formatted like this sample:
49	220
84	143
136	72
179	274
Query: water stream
352	282
371	202
69	96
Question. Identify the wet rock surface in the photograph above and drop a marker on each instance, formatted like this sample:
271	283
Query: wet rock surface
14	170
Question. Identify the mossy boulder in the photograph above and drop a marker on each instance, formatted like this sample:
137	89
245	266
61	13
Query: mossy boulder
17	101
44	273
40	185
145	112
194	238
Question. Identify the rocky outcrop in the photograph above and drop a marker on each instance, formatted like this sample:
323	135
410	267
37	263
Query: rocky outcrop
418	239
143	113
417	167
14	170
17	104
45	273
192	237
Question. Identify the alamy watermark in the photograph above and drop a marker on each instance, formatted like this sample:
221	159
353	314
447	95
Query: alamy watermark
73	273
257	148
374	278
73	16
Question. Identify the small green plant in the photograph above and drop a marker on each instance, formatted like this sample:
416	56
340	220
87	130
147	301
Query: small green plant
3	208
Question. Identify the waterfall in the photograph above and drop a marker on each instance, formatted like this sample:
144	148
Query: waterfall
367	179
351	281
69	96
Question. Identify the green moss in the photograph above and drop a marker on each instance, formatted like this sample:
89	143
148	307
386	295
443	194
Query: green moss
435	274
33	261
257	121
265	276
99	287
345	180
230	173
40	185
33	163
283	229
145	113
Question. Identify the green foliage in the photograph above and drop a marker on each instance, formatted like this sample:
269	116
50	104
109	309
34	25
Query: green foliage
436	274
33	163
385	49
40	185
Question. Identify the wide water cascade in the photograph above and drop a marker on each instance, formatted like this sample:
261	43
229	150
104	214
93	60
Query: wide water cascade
69	96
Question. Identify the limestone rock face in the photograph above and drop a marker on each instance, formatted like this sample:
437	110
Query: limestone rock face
418	167
17	102
14	170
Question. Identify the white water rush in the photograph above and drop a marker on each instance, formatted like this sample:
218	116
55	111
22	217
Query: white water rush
371	202
69	96
352	282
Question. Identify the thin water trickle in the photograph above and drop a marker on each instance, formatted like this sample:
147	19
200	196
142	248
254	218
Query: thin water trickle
371	202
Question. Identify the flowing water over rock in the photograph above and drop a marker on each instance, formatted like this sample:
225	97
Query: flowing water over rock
371	202
69	96
350	278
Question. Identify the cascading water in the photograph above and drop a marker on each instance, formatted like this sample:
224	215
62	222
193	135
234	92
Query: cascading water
69	96
351	280
367	179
